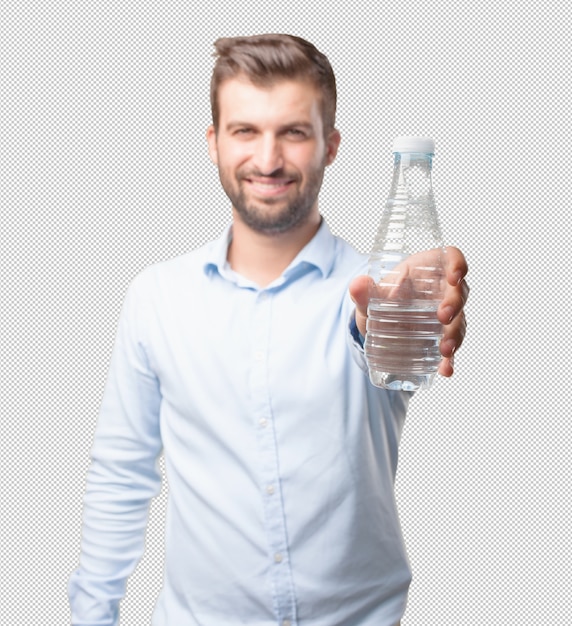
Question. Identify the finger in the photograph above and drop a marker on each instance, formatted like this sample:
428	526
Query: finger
446	367
453	336
453	302
456	266
360	290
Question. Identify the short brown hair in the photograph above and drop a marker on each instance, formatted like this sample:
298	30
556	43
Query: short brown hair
266	58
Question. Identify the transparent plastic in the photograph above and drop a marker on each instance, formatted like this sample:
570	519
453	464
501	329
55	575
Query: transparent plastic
407	265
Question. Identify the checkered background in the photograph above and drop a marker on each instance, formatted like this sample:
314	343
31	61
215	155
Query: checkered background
104	170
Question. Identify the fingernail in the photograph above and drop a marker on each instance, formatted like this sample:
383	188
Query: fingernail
448	348
449	312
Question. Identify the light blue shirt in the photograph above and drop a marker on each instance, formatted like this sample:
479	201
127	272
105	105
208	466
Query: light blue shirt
280	455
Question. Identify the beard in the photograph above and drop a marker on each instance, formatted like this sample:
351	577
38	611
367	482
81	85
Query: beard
268	215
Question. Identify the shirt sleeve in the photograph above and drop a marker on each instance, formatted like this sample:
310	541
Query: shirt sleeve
356	344
122	478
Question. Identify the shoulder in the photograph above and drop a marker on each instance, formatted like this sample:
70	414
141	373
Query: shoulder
176	275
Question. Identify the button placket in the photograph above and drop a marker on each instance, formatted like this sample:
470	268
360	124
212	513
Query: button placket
280	572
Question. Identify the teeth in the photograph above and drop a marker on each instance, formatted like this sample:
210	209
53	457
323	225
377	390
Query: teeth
269	186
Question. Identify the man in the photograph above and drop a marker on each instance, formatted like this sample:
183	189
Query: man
242	362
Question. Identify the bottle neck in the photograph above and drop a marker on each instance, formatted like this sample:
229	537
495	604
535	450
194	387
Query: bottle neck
412	174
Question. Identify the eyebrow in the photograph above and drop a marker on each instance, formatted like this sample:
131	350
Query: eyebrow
237	123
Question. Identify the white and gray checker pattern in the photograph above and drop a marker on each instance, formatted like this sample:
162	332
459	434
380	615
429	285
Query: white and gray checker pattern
104	170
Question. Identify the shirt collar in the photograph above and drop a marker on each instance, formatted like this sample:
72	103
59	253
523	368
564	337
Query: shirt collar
318	253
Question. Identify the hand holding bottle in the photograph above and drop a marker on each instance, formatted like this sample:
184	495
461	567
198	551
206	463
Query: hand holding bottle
450	311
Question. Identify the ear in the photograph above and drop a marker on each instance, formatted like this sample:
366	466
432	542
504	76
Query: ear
332	145
211	140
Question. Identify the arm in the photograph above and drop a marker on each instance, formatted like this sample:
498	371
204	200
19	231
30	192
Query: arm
450	312
122	478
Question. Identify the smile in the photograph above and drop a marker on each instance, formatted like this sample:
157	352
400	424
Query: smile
269	186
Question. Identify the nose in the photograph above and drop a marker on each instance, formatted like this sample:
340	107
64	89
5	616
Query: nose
267	157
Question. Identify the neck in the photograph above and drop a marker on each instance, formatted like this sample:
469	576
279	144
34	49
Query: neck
262	257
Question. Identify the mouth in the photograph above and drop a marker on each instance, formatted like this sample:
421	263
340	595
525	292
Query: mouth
268	186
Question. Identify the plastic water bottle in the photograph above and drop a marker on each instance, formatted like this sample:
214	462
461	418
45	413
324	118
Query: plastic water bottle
407	265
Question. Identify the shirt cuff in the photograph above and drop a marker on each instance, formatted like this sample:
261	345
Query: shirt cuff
355	343
358	337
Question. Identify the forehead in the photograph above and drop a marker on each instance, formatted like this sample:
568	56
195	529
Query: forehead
283	101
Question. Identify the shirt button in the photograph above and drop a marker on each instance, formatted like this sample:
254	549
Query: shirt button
278	558
259	355
270	490
286	622
263	422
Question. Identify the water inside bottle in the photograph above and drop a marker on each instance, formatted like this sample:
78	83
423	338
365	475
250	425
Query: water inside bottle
402	343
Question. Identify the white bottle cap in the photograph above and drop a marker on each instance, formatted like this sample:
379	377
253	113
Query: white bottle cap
414	144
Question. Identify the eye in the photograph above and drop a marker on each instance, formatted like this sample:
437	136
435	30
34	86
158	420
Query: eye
296	133
243	131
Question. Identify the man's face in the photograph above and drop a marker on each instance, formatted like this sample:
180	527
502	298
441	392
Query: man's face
271	152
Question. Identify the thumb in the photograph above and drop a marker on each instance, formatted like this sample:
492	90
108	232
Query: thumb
360	288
